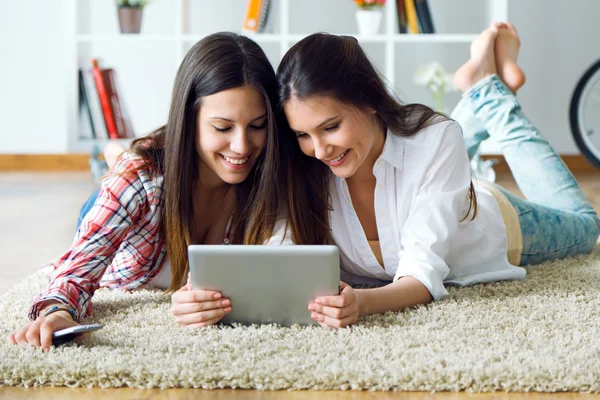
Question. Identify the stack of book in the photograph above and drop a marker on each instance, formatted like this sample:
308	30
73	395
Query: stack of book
102	103
414	17
258	16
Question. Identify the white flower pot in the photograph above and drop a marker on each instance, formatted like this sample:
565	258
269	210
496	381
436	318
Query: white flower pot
368	21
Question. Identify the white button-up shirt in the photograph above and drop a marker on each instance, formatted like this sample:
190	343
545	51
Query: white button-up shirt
422	193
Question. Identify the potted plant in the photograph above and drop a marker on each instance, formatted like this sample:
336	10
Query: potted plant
130	14
369	16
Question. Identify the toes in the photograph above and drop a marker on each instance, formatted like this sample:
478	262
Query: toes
490	32
489	37
495	28
511	27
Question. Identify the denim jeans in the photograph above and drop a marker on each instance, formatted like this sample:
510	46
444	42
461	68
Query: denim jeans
556	219
87	206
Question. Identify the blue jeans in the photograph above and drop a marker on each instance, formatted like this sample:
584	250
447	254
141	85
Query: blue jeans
87	206
556	219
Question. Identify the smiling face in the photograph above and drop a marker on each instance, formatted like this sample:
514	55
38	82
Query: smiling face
347	139
232	132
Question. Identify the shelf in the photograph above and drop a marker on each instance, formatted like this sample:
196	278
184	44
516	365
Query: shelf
125	37
274	38
364	39
172	27
434	38
260	37
405	38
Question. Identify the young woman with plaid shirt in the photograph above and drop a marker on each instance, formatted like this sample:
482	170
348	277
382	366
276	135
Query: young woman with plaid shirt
199	179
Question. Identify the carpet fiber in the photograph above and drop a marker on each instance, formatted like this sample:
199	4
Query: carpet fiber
541	334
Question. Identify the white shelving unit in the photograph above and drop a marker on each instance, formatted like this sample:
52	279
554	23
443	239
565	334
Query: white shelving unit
146	63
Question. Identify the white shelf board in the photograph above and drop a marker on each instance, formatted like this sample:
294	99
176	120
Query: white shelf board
360	38
264	37
276	38
257	37
434	38
125	37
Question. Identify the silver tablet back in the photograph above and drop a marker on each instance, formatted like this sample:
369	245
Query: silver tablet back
266	284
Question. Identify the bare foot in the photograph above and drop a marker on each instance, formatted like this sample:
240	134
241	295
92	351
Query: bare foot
507	51
482	62
112	151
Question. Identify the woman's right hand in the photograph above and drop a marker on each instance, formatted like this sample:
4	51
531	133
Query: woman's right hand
38	333
198	308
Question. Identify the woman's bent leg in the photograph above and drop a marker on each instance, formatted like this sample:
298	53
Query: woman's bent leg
556	220
549	233
539	172
473	130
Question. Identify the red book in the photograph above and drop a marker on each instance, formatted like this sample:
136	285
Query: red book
402	22
121	116
105	101
114	101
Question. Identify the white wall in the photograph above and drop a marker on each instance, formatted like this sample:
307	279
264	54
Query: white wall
33	115
559	43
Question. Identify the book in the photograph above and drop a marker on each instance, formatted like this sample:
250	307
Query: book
105	101
266	17
259	16
411	16
84	106
424	16
122	121
402	22
114	103
252	19
94	104
120	104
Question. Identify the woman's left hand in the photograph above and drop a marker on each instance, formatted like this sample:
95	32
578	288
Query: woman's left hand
336	311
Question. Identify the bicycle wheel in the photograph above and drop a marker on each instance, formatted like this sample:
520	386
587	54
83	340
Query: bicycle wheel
584	114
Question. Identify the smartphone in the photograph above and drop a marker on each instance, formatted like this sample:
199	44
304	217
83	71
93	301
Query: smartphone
66	335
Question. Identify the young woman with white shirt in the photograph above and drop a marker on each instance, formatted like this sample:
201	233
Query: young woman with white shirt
203	178
391	185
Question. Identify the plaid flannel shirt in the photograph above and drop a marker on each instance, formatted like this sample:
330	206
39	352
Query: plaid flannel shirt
119	243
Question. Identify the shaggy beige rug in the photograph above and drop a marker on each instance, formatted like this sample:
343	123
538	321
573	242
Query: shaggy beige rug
542	334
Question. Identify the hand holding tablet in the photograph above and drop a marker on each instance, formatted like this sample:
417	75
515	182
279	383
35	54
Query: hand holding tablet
198	308
266	284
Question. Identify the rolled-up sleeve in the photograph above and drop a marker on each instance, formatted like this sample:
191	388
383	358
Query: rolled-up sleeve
435	215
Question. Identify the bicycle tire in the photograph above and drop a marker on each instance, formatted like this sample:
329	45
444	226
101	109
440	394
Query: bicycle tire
588	150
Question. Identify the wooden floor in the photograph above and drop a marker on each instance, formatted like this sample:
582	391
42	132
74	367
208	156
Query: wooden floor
38	213
185	394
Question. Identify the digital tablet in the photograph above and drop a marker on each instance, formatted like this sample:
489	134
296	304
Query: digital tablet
267	284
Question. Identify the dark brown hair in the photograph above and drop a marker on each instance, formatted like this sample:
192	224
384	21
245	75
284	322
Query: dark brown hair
218	62
336	66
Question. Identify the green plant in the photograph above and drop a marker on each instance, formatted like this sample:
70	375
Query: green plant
132	3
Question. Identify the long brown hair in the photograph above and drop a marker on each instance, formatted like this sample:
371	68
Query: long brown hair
218	62
325	64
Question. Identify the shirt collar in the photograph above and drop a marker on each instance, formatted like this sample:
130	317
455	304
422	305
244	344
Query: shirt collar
393	151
